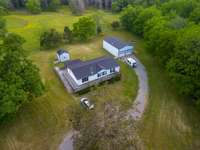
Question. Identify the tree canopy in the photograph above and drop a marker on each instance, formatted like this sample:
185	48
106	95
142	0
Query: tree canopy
19	78
33	6
172	37
84	29
50	39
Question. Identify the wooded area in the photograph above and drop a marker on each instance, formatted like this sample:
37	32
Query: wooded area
172	35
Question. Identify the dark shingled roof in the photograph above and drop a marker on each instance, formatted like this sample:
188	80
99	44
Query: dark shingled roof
116	42
61	51
87	68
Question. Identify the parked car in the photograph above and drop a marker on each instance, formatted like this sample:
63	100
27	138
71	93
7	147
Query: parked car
85	102
131	62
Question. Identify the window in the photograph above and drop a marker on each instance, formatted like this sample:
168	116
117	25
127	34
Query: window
99	75
104	73
85	79
112	70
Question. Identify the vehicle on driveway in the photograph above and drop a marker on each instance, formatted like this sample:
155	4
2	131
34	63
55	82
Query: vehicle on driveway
131	62
85	102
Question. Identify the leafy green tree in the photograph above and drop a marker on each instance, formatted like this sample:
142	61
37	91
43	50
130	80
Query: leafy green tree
143	17
160	39
128	17
33	6
118	5
3	11
53	5
180	7
184	65
50	39
67	35
2	27
195	15
19	77
177	23
84	29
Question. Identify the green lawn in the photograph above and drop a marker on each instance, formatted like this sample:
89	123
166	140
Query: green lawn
41	124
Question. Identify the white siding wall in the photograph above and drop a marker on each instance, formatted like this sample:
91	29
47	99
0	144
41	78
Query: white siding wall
64	57
90	78
113	50
117	69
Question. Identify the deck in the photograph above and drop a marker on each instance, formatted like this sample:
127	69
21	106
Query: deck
73	87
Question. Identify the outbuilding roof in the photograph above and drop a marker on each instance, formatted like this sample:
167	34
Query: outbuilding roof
116	42
61	51
83	69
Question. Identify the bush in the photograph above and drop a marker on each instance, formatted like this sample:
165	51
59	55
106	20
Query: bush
50	39
115	25
67	35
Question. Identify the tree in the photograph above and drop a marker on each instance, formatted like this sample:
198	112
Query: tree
19	77
33	6
160	39
129	16
184	65
180	7
67	36
50	39
115	25
2	27
77	6
84	29
195	15
53	5
105	130
142	18
118	5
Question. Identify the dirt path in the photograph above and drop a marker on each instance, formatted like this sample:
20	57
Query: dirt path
137	109
67	143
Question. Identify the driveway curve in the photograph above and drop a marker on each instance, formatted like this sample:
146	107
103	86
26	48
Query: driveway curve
136	111
141	100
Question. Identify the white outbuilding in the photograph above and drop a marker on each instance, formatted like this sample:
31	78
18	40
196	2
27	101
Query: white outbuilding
63	55
117	47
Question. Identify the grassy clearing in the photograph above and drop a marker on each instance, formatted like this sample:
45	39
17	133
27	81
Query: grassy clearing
41	124
31	26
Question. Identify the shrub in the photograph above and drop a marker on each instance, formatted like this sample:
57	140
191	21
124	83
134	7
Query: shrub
50	39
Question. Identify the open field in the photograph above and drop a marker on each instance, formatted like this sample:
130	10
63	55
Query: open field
41	124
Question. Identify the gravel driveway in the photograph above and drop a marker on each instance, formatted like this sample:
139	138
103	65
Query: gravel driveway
140	102
67	143
137	109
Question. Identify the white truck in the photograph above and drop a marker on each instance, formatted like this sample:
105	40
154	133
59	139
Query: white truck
131	62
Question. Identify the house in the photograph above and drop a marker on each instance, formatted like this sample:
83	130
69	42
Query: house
79	73
62	55
117	47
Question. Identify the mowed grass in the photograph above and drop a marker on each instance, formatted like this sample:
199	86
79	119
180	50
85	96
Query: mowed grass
42	123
